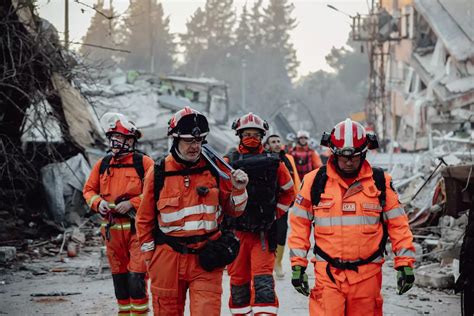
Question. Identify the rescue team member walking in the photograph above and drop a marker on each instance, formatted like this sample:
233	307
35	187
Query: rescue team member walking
273	144
114	190
270	193
178	222
306	158
353	208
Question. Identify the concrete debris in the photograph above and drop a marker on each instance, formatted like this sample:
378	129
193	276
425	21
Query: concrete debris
7	254
435	276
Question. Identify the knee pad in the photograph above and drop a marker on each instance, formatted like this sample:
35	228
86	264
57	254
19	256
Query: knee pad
264	288
240	294
121	286
137	285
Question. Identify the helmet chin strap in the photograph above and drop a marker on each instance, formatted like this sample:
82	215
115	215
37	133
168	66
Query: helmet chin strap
345	174
123	147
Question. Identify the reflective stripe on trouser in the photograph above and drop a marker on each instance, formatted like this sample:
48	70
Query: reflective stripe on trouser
341	298
253	266
124	255
124	307
123	250
172	274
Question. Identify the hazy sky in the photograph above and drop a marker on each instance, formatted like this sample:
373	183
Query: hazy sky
319	28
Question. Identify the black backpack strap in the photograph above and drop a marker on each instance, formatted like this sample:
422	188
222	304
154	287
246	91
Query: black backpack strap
379	179
138	164
160	237
319	185
105	163
159	178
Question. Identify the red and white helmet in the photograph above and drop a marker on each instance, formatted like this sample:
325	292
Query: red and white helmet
302	133
349	138
188	123
118	123
250	120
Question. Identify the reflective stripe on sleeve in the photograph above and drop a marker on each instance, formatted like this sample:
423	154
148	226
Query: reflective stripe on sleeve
288	185
405	253
396	212
298	253
92	199
299	212
283	207
148	246
240	198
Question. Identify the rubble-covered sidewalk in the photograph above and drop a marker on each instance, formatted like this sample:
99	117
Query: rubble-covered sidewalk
85	291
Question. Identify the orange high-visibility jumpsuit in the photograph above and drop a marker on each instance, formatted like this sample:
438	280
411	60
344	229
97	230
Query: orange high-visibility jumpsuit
306	159
251	274
347	226
182	212
123	251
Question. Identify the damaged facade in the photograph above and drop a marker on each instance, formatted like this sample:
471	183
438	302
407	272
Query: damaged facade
430	73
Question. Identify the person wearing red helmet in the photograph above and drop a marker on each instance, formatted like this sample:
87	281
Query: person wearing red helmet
179	221
114	190
353	209
270	194
306	159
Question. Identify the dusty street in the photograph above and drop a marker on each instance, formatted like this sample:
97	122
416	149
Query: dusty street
80	275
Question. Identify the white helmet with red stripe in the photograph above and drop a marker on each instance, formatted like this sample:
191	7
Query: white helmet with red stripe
250	120
188	123
302	133
349	138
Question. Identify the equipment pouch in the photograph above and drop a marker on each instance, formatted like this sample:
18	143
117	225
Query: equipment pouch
220	252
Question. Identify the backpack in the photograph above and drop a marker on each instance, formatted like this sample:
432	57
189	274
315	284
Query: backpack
137	164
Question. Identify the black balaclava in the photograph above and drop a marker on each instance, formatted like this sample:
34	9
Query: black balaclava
347	175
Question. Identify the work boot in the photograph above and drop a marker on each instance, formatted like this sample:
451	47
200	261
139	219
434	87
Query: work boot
279	256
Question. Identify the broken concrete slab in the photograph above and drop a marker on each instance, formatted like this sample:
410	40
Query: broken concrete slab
432	275
7	254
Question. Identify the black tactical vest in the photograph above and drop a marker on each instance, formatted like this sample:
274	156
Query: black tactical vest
262	190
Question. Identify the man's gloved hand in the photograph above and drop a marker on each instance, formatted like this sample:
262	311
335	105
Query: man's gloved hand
405	279
299	279
239	179
103	207
123	207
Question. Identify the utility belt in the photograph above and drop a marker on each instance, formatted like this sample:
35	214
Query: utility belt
179	244
351	265
214	254
110	222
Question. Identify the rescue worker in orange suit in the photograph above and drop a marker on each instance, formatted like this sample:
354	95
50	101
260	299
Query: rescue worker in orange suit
353	208
306	158
270	193
114	190
273	144
187	249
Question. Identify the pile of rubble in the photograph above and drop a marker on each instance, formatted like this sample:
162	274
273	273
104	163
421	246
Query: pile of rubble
437	190
43	256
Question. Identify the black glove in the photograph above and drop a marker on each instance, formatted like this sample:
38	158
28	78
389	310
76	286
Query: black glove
405	279
299	279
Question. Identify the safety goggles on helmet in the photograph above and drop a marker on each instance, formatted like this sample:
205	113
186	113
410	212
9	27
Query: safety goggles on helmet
188	123
118	123
349	138
197	140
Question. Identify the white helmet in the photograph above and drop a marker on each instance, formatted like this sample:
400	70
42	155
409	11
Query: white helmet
302	133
